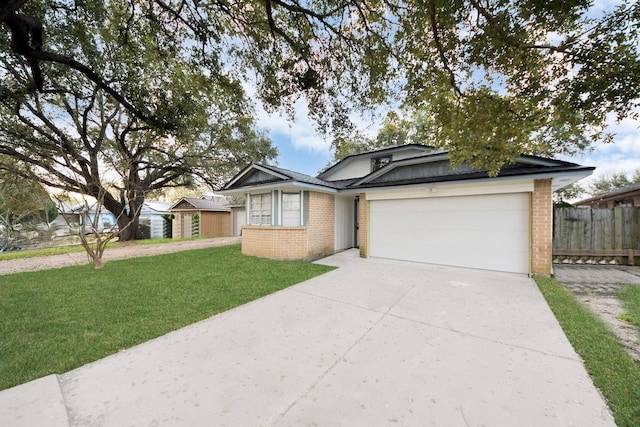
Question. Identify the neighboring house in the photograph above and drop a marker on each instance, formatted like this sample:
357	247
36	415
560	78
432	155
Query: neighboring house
626	196
201	217
71	218
407	203
153	220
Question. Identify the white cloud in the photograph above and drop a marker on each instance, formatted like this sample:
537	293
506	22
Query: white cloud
623	155
300	130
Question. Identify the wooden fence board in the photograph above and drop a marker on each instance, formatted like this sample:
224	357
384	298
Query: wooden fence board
585	231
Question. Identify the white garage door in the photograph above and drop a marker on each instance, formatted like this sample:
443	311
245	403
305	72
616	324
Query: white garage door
488	232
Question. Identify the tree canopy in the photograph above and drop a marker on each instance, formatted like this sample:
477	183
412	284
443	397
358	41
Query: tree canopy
613	181
75	136
492	79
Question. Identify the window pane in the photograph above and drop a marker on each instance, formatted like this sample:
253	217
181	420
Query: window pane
260	209
291	209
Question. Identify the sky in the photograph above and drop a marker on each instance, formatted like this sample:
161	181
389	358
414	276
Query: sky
302	149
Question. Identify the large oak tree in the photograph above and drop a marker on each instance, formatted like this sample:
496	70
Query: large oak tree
493	78
73	135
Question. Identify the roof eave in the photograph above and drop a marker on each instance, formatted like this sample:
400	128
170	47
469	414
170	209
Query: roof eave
278	185
574	174
179	201
249	168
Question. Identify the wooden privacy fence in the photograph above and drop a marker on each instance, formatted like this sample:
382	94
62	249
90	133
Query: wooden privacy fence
596	236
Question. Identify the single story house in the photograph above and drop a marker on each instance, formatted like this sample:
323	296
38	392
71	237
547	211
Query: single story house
201	217
154	223
407	203
626	196
82	216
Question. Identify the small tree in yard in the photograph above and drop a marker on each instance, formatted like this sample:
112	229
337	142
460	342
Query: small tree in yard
93	237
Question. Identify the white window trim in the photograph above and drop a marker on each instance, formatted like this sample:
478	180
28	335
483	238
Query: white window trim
277	213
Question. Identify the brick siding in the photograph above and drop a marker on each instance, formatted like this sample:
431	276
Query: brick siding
274	242
541	227
282	242
321	224
363	226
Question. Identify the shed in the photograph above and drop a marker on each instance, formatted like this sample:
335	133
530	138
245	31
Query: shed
201	217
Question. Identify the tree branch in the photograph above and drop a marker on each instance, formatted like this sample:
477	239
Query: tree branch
440	48
504	35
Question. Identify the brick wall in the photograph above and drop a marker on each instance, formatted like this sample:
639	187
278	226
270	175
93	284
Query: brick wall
310	242
363	221
274	242
321	224
541	227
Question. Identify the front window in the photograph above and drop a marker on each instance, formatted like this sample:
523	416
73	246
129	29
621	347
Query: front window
291	209
260	209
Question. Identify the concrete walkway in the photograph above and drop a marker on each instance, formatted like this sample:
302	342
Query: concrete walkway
373	343
598	279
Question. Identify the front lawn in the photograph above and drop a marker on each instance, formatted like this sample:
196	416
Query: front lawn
57	320
612	370
630	297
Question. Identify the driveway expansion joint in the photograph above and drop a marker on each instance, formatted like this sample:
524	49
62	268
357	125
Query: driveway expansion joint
486	339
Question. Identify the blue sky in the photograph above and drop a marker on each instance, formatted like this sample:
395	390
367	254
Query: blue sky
302	149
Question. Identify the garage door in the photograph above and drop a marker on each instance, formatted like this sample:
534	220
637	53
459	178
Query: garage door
488	232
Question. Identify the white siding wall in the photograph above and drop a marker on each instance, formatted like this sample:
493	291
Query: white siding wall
357	168
344	222
157	224
239	220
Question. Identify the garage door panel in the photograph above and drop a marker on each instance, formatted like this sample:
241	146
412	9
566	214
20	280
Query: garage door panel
489	232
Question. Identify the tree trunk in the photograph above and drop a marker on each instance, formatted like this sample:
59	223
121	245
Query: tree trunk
128	219
128	227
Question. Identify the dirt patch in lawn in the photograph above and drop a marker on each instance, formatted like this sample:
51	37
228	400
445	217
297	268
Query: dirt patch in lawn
598	288
609	309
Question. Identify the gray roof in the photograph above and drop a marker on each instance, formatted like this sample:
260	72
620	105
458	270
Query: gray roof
421	169
200	205
618	193
307	179
376	152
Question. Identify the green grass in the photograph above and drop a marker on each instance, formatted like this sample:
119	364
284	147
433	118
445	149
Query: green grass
78	248
56	320
40	252
630	297
612	370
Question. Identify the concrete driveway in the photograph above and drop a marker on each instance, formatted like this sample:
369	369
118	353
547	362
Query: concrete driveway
373	343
